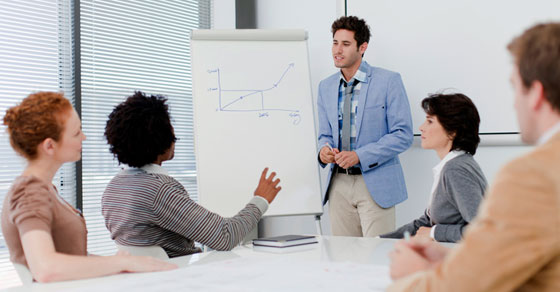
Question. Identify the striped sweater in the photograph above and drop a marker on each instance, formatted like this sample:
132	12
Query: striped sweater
145	206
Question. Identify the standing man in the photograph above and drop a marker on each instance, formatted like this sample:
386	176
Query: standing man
364	123
514	242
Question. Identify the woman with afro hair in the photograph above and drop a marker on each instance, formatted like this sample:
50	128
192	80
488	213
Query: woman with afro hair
144	206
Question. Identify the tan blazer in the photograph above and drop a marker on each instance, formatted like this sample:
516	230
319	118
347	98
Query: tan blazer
514	242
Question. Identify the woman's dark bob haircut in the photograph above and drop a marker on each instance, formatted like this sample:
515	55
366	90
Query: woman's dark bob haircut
458	116
139	129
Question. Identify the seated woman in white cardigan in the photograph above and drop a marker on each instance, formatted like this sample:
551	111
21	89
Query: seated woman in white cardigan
451	129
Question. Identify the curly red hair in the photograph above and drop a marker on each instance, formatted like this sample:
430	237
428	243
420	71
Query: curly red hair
39	116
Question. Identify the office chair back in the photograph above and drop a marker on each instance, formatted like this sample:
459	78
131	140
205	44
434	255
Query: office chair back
152	251
23	273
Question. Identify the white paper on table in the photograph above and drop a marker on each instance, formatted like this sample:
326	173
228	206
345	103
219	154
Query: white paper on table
250	274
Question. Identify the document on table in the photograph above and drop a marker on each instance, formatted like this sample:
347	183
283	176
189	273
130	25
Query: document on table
250	274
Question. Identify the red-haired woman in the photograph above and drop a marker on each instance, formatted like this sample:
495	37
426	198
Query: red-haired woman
42	231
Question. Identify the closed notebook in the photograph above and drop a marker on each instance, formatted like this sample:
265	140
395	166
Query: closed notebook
285	240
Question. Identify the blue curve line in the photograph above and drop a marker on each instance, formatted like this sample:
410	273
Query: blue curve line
291	65
264	109
253	91
219	89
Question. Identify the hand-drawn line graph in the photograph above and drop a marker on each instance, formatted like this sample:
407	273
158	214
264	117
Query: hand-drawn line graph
251	100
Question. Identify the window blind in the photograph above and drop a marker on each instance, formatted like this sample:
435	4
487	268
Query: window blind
35	55
128	46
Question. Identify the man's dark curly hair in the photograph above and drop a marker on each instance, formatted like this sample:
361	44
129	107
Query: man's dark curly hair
352	23
139	129
458	116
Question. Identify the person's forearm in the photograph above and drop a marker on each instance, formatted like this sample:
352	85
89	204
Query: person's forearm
234	229
449	232
62	267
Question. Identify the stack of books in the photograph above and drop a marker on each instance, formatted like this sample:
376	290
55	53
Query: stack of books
285	243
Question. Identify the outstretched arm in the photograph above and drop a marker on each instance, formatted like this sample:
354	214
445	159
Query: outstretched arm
175	211
47	265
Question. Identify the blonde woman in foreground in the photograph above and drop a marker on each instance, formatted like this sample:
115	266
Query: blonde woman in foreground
42	231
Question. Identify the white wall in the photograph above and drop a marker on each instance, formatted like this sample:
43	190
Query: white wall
316	16
460	45
223	14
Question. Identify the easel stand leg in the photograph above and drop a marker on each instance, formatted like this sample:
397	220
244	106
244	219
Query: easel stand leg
318	224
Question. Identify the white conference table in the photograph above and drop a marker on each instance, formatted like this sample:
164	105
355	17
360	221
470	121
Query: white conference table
335	263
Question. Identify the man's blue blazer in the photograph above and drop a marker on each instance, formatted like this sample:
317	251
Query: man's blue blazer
383	130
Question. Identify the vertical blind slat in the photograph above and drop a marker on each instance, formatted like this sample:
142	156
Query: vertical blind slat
34	60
